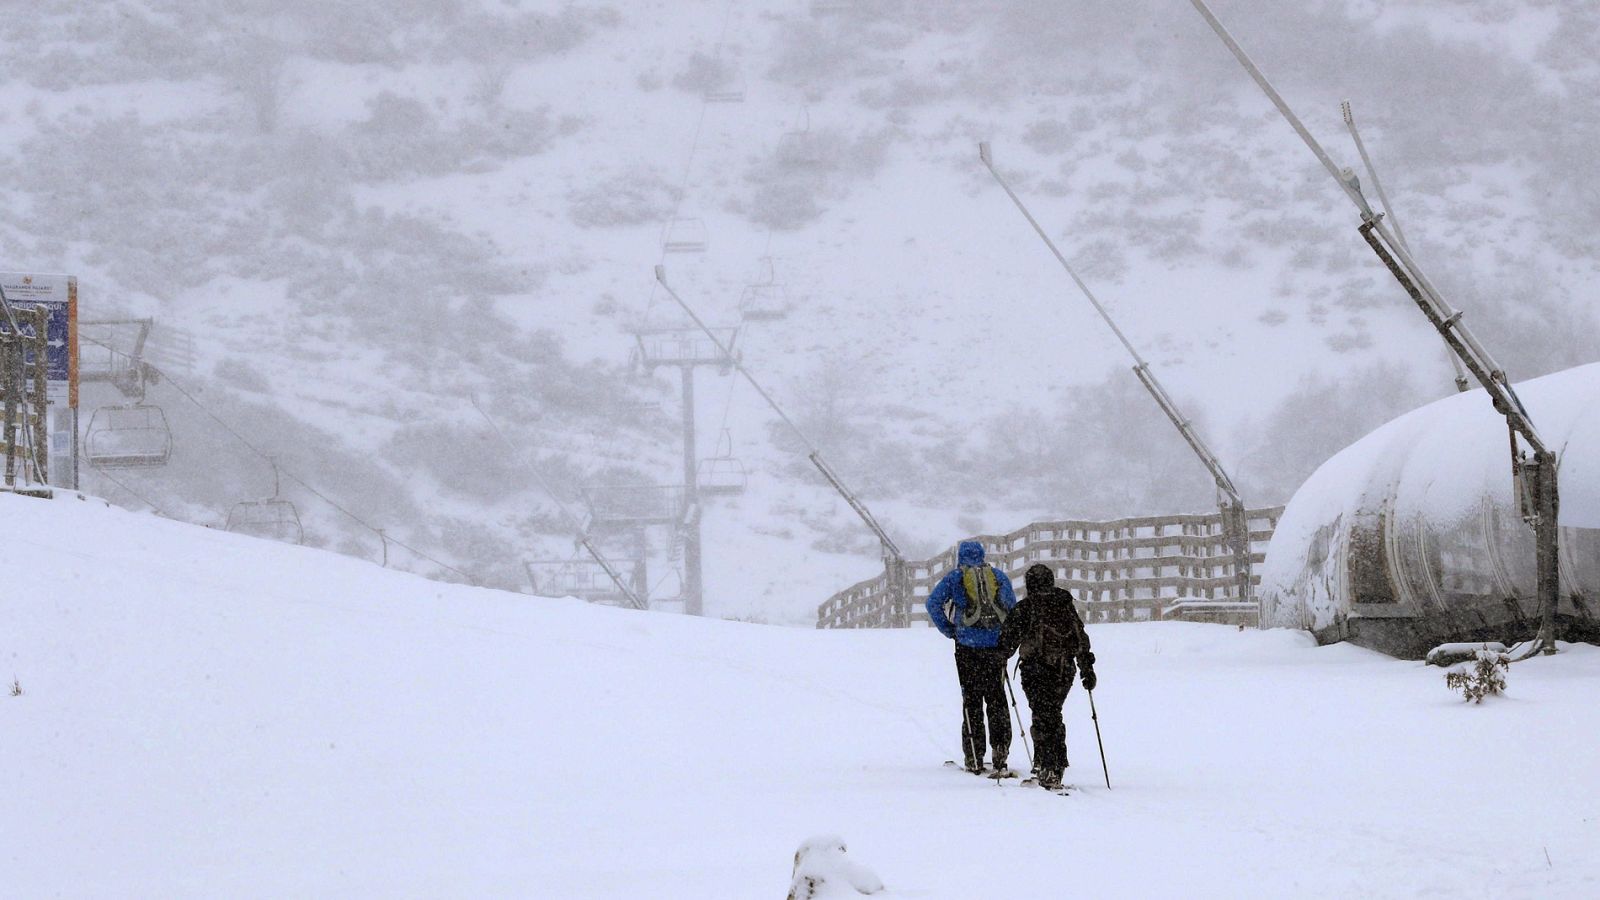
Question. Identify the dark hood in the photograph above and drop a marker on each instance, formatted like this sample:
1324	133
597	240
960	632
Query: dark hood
1038	577
969	553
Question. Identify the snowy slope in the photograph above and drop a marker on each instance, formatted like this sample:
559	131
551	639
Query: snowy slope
207	715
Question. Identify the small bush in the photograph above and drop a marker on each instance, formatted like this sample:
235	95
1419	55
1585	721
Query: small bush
1480	678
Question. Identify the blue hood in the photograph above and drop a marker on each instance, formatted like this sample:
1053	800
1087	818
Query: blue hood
950	590
969	553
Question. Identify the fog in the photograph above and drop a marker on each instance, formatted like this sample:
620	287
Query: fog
355	224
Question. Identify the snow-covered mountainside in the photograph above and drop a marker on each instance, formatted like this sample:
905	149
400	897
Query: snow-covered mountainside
367	216
203	714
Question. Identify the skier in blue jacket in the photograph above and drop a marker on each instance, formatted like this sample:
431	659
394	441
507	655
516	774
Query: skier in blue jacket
968	605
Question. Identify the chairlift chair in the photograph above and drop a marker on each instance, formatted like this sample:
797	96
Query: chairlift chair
133	436
728	91
273	518
764	301
685	236
112	351
722	474
800	148
728	84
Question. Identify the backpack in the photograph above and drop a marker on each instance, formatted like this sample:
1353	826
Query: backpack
984	609
1051	645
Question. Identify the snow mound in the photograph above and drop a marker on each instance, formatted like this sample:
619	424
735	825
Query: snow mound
821	870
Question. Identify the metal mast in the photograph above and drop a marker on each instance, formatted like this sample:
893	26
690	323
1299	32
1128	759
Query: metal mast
1462	384
1533	469
894	563
1235	524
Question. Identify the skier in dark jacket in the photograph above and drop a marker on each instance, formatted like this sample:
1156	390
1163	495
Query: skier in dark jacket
1054	645
969	605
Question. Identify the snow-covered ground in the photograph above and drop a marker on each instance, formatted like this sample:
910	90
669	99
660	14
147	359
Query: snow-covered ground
204	714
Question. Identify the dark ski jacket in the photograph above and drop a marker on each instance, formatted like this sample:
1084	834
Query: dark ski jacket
1045	626
968	553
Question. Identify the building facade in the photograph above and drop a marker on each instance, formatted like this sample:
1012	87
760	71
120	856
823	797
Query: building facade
1126	570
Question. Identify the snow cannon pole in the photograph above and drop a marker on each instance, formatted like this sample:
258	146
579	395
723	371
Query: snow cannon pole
1462	384
1231	506
1542	506
1021	728
1095	716
628	593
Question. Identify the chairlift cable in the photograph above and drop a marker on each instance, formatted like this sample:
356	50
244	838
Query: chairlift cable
727	407
573	521
138	496
891	549
688	164
677	199
662	580
177	386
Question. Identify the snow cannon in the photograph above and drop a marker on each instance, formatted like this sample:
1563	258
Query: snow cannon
1416	535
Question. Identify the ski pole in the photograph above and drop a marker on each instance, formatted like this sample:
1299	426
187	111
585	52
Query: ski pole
1022	729
1096	717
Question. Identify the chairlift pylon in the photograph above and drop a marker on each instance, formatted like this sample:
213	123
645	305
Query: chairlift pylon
685	235
272	518
135	435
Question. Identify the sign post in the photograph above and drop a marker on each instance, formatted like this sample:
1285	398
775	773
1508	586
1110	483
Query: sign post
58	296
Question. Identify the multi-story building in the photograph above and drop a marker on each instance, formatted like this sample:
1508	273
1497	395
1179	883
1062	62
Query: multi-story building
1126	570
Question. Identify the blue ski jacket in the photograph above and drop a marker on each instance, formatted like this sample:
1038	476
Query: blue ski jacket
969	553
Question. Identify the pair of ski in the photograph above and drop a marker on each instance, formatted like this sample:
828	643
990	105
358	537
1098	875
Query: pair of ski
1000	775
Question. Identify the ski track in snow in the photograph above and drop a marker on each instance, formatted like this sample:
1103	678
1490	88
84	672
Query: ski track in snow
209	715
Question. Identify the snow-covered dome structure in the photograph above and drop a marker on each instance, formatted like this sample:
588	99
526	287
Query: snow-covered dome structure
1413	536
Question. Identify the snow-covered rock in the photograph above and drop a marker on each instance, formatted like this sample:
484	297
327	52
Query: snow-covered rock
821	870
